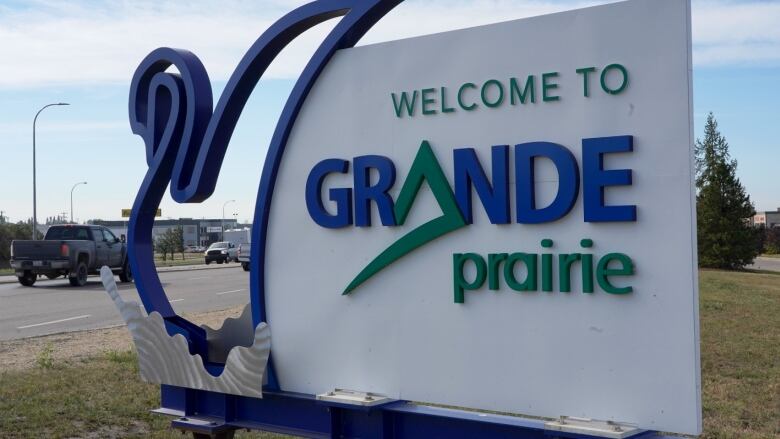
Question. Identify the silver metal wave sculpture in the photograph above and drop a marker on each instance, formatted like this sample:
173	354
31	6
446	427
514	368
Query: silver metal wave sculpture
165	359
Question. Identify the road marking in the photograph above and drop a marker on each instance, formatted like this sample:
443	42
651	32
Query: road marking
228	292
55	321
175	300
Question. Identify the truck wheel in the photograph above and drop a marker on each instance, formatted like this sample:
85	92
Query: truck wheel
245	266
28	279
126	275
207	262
81	275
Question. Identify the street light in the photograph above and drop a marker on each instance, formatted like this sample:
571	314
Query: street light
71	199
223	217
35	203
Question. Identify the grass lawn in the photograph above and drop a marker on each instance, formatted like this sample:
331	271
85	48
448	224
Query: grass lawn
740	356
179	259
99	398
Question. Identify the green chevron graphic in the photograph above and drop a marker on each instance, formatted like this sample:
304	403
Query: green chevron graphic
424	168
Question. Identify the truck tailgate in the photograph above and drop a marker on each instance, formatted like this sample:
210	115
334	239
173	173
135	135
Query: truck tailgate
38	250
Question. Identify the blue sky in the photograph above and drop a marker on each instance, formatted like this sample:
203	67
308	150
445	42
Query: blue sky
84	53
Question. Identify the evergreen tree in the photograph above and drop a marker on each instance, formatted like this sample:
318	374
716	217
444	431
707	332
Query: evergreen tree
723	208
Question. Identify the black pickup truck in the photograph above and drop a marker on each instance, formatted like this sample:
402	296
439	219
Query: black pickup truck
73	251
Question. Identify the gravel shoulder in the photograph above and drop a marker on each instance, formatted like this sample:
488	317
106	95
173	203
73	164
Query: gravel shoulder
21	354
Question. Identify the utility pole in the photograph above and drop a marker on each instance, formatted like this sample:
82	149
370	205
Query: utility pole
72	220
223	217
35	201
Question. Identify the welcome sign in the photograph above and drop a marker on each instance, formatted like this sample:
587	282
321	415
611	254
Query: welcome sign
500	218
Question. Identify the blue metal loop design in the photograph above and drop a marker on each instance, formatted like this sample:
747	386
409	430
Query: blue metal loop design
186	142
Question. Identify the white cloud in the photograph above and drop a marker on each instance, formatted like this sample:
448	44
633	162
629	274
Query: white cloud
735	33
47	42
67	43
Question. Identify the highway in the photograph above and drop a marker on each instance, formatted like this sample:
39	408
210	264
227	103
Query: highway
53	306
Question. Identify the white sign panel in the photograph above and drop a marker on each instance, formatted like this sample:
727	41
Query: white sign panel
499	218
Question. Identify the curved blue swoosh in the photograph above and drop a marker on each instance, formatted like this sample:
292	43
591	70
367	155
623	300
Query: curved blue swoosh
186	143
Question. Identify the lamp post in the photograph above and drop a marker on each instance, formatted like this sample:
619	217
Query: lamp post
71	199
223	217
35	201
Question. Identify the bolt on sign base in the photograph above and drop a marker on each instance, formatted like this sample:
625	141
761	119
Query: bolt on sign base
352	397
591	427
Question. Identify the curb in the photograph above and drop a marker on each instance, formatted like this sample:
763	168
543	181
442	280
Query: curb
198	267
7	279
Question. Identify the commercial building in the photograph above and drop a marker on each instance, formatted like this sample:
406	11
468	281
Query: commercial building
768	218
197	232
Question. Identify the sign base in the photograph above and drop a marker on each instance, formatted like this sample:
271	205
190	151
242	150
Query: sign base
305	415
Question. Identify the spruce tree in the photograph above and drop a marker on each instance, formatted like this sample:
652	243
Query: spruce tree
723	208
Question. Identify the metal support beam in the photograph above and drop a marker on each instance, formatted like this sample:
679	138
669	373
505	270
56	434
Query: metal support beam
303	415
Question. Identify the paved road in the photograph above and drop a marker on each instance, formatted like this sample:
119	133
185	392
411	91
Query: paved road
761	263
54	306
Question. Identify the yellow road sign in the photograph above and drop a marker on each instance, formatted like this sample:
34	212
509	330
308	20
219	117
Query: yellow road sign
126	213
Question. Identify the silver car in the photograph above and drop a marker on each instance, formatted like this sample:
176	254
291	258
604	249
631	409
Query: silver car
244	253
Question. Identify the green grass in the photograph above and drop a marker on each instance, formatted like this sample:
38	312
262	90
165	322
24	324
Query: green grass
189	259
99	397
740	354
44	359
740	357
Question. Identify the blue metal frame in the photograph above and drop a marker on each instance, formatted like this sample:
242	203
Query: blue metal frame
185	144
303	415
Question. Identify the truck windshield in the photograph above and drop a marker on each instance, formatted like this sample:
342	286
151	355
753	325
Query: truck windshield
219	245
63	233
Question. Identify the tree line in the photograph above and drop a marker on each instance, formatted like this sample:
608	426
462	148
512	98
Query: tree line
769	240
10	231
